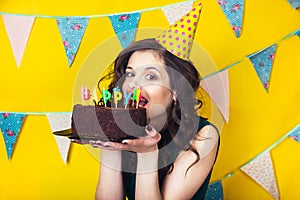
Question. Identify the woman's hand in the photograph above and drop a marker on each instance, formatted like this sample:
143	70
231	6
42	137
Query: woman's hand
139	145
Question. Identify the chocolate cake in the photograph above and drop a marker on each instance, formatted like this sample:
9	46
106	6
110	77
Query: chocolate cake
105	123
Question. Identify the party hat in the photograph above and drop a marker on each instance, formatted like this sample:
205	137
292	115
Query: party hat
178	39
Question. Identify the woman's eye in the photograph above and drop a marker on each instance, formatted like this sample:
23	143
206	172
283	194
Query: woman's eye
129	74
150	77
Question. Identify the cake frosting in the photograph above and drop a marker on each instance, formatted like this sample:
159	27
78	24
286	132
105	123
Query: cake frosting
93	122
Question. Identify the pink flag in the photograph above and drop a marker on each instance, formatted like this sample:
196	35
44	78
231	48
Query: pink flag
217	87
18	29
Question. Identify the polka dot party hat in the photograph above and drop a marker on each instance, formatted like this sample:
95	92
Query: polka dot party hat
178	39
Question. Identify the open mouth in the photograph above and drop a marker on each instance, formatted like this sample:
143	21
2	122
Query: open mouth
142	102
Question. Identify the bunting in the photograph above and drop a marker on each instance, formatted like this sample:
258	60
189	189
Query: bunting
261	170
298	33
125	26
263	62
294	3
10	125
214	191
295	134
71	30
233	10
217	87
176	12
18	29
60	122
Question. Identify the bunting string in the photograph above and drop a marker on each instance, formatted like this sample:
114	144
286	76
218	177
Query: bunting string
277	142
250	55
204	77
98	15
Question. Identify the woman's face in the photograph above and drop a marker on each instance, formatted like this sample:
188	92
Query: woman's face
146	71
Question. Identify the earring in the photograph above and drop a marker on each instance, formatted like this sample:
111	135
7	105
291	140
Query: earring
174	98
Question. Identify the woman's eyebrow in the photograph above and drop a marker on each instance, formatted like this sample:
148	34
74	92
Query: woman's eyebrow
128	67
147	68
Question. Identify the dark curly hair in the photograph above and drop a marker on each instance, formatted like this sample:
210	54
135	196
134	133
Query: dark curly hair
182	119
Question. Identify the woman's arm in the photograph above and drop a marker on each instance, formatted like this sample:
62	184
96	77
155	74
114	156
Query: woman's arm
147	184
183	184
110	183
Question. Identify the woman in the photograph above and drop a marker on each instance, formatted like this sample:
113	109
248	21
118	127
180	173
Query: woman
175	159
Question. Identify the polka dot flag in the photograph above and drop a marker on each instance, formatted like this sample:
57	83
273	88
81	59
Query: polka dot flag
10	125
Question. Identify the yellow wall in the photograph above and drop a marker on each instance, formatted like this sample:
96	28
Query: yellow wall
44	83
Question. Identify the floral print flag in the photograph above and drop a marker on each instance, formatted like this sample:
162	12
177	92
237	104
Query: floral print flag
125	27
214	191
234	10
71	30
10	125
295	134
294	3
263	62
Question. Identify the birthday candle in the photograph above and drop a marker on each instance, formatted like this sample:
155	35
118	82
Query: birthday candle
85	94
117	96
126	98
138	93
106	95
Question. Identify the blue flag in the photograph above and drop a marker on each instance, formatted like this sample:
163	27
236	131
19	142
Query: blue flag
214	191
263	62
294	3
71	30
234	11
295	134
125	27
10	125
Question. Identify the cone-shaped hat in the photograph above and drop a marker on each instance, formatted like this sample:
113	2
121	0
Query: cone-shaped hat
178	39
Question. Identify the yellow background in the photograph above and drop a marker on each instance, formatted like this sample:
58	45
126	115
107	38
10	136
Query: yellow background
44	83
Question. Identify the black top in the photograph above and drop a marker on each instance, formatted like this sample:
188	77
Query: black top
129	178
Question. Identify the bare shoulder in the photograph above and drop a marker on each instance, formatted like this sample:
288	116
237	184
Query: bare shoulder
205	140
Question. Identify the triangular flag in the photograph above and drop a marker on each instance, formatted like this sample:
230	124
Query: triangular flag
125	27
298	33
10	125
294	3
217	87
261	170
60	122
295	134
214	191
234	10
72	30
18	29
263	62
175	12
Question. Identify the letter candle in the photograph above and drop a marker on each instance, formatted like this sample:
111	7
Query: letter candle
106	96
85	94
138	93
117	96
126	98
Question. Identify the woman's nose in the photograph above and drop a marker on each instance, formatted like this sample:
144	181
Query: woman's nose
132	85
